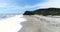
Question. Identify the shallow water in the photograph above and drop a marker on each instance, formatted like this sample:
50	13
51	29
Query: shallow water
11	23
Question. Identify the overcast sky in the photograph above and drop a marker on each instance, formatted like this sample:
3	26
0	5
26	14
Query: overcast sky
19	6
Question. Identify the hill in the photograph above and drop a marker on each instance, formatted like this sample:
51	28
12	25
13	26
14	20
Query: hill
48	11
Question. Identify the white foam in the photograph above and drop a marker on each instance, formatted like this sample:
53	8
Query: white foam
11	24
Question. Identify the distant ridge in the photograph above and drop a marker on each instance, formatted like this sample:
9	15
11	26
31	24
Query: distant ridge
47	11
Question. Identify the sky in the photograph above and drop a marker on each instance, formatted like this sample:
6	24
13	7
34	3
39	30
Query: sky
20	6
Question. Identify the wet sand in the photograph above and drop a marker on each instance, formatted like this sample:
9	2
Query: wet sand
39	23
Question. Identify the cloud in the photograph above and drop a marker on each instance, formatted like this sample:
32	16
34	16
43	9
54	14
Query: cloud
10	8
10	5
13	5
49	3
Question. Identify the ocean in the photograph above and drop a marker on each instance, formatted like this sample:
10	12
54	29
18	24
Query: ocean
11	22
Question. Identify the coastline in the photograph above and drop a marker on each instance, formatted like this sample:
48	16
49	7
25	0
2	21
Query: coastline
39	23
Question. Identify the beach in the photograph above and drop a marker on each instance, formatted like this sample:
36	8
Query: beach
30	23
39	23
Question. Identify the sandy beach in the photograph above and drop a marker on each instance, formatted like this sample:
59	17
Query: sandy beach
30	23
39	23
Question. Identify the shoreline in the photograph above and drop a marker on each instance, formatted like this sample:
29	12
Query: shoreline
39	23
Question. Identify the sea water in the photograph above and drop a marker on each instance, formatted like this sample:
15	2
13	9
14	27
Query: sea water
10	22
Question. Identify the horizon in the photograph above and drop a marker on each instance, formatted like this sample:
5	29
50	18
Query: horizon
20	6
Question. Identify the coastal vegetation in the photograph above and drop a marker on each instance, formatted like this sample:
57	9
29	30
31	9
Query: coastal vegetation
47	11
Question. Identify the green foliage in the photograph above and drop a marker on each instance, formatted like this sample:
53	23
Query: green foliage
49	11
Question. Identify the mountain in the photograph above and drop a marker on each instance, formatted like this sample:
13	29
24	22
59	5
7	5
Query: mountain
47	11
